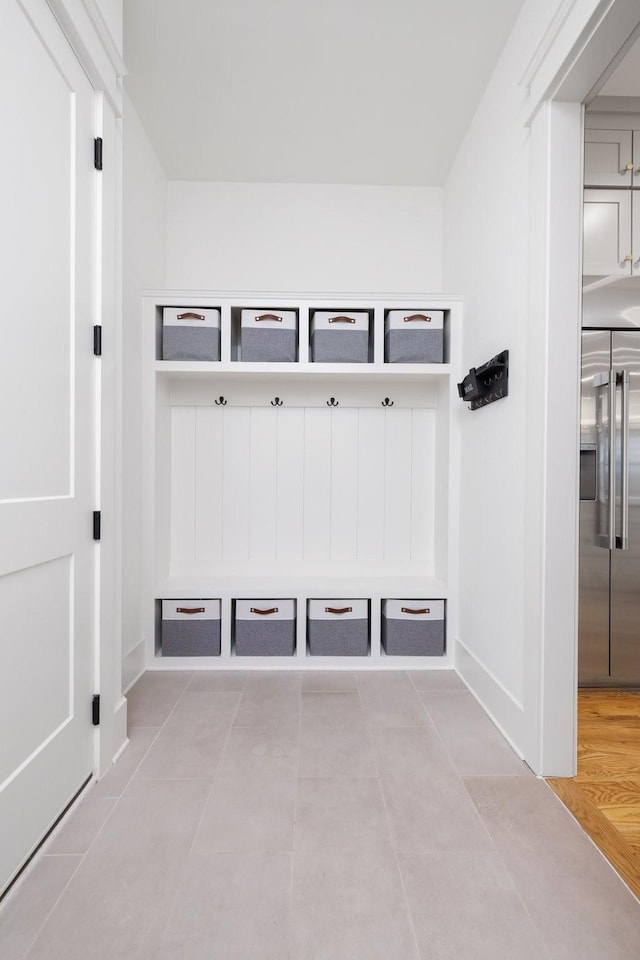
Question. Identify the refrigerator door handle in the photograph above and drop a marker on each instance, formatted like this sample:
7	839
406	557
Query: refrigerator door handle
622	542
605	391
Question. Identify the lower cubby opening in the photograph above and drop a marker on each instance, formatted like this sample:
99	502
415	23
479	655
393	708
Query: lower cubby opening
299	630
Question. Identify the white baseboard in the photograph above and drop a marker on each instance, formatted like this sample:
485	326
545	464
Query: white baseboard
502	707
133	666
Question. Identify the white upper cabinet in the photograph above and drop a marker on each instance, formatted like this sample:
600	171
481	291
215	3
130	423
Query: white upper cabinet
607	249
608	158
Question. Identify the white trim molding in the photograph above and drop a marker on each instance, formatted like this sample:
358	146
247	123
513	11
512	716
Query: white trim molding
84	27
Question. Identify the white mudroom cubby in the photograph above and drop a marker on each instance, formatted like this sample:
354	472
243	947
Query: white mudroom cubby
300	479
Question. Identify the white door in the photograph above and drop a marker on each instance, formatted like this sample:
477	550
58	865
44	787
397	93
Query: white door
607	250
47	428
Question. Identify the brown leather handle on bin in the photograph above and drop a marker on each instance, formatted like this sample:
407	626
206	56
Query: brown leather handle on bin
191	316
417	316
409	610
338	609
342	320
190	610
264	613
268	316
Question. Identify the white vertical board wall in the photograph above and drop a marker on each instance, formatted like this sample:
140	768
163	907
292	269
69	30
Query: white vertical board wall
322	485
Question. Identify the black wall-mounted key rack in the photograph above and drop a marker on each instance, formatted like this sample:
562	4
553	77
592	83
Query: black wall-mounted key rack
487	383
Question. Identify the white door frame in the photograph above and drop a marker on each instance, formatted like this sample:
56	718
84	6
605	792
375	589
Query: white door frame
89	37
561	80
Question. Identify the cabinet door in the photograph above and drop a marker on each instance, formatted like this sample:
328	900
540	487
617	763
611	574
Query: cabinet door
608	159
636	158
635	231
607	233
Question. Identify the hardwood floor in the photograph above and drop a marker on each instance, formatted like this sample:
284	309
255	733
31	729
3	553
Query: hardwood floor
605	795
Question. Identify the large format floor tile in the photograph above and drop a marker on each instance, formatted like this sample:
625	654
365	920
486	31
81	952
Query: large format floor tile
341	816
579	905
336	751
390	700
282	816
350	906
466	906
436	680
76	834
474	744
153	697
188	752
118	900
260	751
249	813
231	906
114	783
427	805
28	905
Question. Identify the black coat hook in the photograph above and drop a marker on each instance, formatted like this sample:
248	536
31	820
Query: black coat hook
221	402
332	402
387	403
277	402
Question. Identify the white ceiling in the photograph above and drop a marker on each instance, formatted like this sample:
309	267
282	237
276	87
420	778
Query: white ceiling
331	91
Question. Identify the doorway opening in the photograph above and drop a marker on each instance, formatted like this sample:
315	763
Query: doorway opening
605	794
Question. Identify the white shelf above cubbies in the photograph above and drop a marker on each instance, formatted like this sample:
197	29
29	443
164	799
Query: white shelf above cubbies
299	480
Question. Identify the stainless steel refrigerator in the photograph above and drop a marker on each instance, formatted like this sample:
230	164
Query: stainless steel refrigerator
609	578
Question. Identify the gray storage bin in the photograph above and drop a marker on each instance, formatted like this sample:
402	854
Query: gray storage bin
268	336
190	628
265	628
338	628
339	337
414	337
413	628
190	333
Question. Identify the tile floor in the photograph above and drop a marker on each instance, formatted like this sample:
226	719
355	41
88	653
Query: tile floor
317	816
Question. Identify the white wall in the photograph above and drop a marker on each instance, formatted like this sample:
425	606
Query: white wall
303	237
512	247
486	223
144	232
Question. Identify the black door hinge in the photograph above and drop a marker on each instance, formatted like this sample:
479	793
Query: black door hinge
95	710
97	340
97	153
96	524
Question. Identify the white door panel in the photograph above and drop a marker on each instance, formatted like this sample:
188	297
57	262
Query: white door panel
607	233
608	158
47	428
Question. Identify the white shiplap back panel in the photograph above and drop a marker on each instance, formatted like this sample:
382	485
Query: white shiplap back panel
263	501
236	483
317	484
423	505
209	483
344	484
313	484
371	476
290	506
183	484
398	484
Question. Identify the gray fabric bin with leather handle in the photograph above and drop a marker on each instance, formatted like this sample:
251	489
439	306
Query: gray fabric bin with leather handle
413	628
190	628
414	337
339	338
268	337
338	628
265	628
190	334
